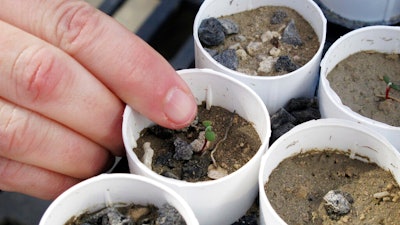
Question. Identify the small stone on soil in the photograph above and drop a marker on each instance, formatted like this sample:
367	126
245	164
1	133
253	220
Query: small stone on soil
195	168
338	203
291	35
167	215
228	58
278	17
183	150
284	63
211	32
230	27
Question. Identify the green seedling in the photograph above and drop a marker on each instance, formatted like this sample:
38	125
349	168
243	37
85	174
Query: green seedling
390	85
209	133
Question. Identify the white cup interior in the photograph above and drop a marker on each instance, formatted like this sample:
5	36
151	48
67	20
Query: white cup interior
385	39
329	134
106	189
228	194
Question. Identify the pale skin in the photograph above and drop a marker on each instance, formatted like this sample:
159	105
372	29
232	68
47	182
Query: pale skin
66	72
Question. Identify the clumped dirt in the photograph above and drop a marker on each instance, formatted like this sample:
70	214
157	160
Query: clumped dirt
253	24
358	81
240	145
297	186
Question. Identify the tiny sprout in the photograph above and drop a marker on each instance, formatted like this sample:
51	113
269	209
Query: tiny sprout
390	85
209	134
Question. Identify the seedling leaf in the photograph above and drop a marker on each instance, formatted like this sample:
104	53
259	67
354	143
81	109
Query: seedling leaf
210	135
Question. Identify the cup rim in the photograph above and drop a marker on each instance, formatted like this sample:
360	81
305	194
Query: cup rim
182	183
317	54
332	95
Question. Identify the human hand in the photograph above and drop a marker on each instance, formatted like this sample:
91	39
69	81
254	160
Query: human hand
66	70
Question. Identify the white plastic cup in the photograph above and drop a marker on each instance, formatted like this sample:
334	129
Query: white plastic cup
358	13
275	91
385	39
325	134
95	193
225	200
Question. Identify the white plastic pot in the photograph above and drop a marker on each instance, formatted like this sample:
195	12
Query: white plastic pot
385	39
325	134
97	192
225	200
275	91
359	13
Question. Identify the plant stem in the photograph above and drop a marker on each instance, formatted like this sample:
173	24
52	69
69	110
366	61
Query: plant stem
204	146
388	86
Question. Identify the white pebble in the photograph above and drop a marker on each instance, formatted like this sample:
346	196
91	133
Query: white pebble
235	46
241	53
216	173
253	47
147	158
275	51
381	194
198	143
266	65
268	35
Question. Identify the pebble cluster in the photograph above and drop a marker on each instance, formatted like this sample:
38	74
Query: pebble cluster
295	112
213	32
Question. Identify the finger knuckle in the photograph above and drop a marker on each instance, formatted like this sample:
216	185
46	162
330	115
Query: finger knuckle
12	131
76	24
34	73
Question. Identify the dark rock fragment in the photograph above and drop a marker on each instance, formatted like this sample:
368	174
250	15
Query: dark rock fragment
301	103
228	58
278	17
284	63
230	27
306	115
211	32
166	160
296	111
279	131
167	215
281	117
195	168
183	150
291	35
251	219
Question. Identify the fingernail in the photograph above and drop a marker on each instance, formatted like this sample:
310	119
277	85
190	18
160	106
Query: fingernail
179	107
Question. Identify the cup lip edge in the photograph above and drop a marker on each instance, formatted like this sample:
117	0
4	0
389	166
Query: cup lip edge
109	177
312	125
333	96
185	184
318	53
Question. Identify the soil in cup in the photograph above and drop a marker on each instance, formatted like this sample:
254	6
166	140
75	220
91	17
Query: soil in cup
297	187
236	142
358	81
270	41
130	214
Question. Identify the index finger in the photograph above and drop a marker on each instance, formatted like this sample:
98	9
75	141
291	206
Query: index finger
121	60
